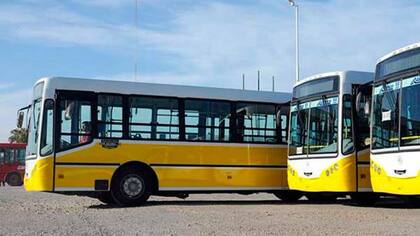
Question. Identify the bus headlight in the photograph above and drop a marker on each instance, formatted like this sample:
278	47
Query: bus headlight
291	170
327	173
336	166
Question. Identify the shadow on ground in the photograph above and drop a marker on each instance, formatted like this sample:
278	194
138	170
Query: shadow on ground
223	202
384	202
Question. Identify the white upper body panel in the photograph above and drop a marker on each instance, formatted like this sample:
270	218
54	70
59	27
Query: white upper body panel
138	88
399	51
347	78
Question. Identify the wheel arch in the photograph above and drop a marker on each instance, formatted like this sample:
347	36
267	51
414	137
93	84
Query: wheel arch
142	167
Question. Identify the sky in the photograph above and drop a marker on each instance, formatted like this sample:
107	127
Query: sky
192	42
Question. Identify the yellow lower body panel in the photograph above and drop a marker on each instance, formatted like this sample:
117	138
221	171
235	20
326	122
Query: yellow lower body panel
81	177
41	176
342	178
382	183
223	178
364	183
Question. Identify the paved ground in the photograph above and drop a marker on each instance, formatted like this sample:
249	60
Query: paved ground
23	213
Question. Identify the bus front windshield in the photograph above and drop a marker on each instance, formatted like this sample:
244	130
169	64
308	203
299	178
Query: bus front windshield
386	115
396	114
314	127
35	113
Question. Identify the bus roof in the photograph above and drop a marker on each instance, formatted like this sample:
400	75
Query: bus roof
152	89
346	73
399	51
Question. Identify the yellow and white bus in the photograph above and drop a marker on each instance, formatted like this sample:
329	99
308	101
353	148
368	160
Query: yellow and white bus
329	135
395	150
124	141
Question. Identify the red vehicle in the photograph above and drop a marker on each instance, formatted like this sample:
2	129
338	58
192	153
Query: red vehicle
12	163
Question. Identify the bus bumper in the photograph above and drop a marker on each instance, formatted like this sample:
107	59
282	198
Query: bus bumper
340	176
384	183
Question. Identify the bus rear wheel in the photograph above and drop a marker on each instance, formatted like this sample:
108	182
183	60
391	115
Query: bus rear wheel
130	187
289	196
14	179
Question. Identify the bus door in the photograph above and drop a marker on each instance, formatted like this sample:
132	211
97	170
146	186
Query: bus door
74	120
362	95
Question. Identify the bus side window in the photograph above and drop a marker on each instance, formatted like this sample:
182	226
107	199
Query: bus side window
20	155
110	116
2	156
75	115
207	120
153	118
259	123
347	132
47	131
283	122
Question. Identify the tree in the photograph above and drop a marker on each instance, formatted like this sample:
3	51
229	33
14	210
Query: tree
18	135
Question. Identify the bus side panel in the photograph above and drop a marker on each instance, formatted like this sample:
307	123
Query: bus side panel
363	171
79	177
180	165
221	178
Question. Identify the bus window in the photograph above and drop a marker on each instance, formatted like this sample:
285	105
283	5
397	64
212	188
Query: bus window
283	121
75	123
298	130
208	121
386	118
6	156
347	142
2	156
323	126
20	154
410	112
110	116
153	118
257	122
47	129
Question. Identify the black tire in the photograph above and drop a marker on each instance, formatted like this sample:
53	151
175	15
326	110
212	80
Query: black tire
105	197
289	196
130	187
14	179
321	198
364	198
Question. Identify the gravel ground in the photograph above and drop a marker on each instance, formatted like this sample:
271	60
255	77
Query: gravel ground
23	213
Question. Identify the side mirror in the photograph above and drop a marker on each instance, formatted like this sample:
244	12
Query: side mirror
21	115
69	111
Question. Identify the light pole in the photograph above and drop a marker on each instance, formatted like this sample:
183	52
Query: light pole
296	6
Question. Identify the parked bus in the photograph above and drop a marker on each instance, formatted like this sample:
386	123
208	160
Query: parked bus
329	135
124	141
396	123
12	161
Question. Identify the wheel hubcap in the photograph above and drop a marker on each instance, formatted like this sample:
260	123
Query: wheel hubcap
132	186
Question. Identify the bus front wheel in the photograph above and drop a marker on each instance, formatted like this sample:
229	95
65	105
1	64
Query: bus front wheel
14	179
130	187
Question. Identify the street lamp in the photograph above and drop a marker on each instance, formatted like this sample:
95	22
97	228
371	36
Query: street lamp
296	6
